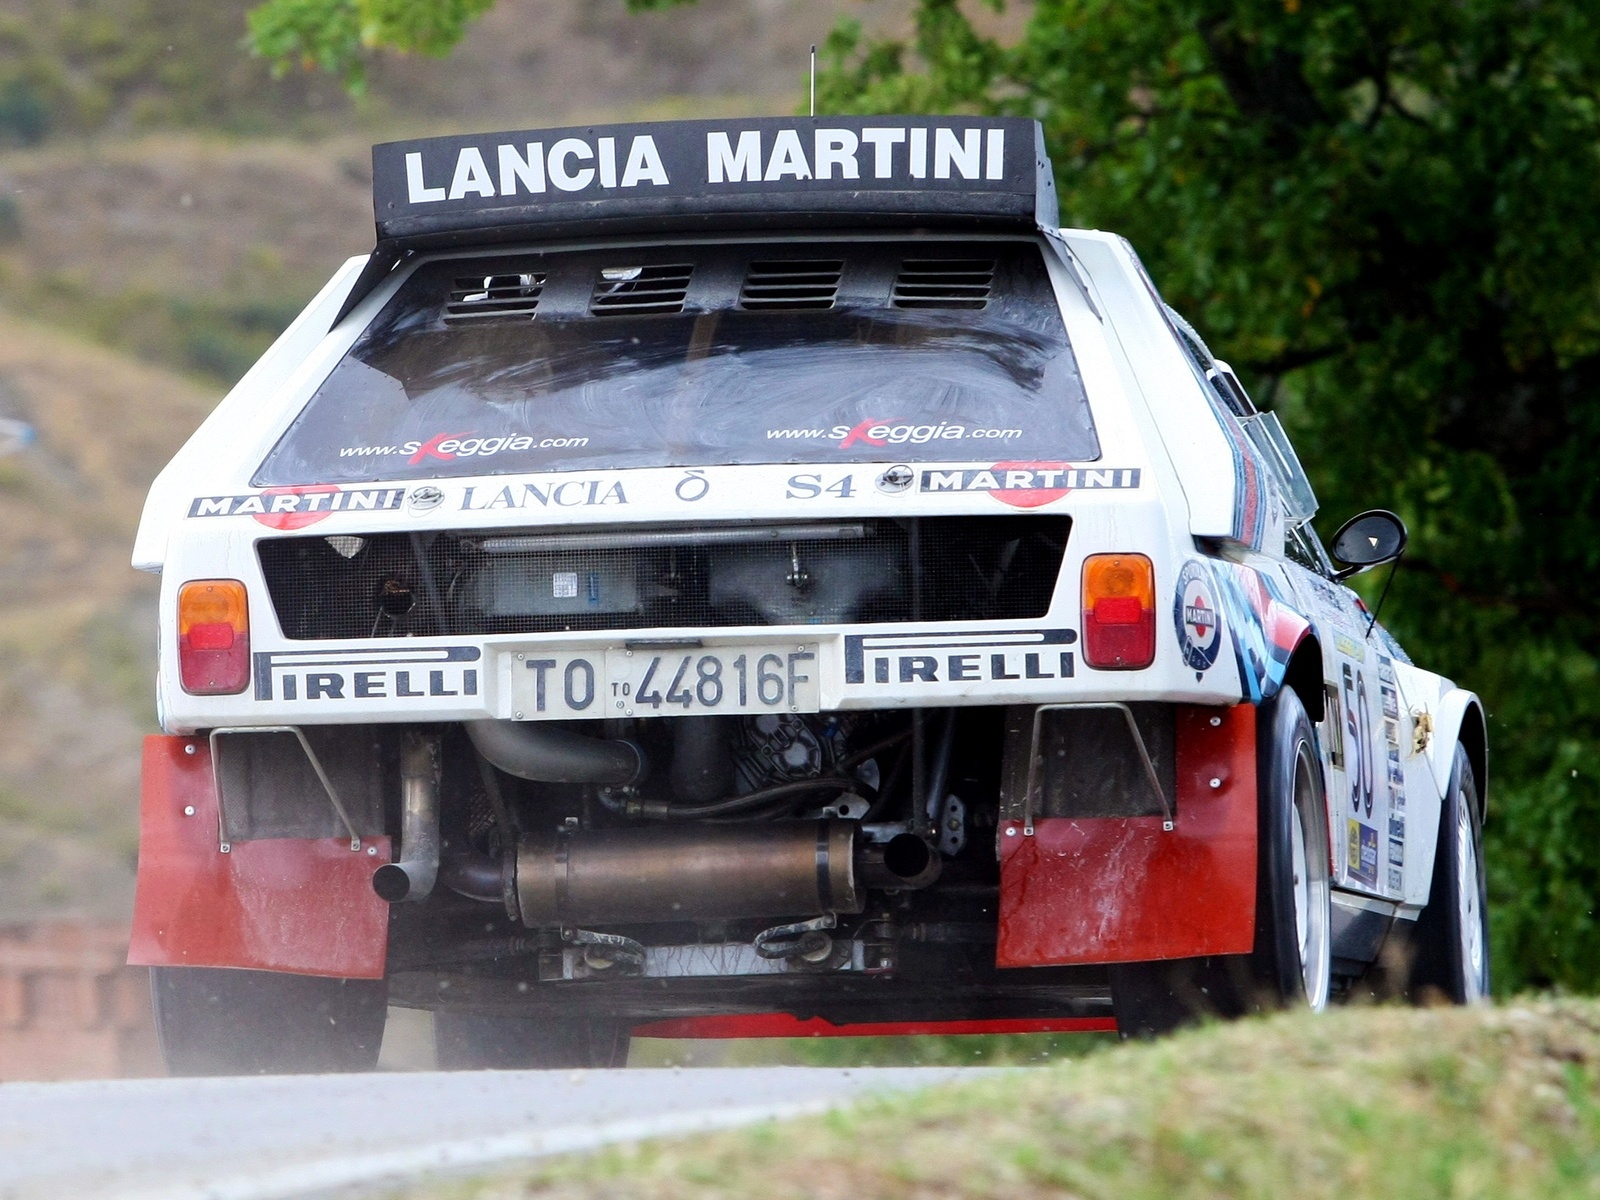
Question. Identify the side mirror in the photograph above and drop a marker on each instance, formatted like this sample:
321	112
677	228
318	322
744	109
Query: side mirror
1368	540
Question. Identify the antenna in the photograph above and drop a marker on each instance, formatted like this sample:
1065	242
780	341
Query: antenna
813	79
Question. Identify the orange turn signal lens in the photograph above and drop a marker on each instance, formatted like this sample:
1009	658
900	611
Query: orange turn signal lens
213	637
1119	617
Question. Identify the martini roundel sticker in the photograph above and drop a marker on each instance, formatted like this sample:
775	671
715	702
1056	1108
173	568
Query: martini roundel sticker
1194	612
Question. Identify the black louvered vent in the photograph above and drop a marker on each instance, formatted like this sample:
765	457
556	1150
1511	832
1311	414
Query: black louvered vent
944	283
493	297
796	284
640	291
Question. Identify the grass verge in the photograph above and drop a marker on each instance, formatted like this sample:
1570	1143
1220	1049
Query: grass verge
1380	1102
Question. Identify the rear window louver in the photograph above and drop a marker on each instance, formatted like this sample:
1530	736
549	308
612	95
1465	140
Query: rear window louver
944	283
493	297
640	291
796	284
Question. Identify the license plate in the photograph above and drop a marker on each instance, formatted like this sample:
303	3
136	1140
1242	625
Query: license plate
665	681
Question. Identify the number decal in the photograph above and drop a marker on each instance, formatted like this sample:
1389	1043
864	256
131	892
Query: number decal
709	670
676	695
769	674
646	696
632	682
1368	756
810	486
1359	763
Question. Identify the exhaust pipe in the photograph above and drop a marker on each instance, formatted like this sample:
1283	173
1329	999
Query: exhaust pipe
412	878
903	863
547	754
477	877
689	873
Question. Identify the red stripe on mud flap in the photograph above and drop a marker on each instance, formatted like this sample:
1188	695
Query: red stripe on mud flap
1107	889
303	906
782	1025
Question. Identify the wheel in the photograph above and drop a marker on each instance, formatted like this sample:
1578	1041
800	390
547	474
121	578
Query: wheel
214	1021
1451	959
1291	964
465	1042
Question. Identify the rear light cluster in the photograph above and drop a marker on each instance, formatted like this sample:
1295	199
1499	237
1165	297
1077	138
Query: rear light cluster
213	637
1119	612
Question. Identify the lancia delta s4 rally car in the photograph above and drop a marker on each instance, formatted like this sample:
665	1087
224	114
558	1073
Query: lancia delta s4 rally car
764	577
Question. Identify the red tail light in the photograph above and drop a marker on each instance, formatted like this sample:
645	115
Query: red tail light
1119	615
213	637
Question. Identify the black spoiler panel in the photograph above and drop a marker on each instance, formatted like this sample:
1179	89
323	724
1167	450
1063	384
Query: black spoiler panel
798	172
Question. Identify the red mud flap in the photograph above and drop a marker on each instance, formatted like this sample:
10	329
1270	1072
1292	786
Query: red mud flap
782	1025
303	906
1106	890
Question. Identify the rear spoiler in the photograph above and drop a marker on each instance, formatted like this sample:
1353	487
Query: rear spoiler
769	173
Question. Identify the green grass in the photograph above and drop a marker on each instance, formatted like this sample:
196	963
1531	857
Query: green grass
1380	1103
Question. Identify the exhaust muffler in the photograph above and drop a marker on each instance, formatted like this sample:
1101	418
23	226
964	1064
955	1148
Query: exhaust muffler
689	873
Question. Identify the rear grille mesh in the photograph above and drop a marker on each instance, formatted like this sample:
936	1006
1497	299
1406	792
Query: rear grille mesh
791	285
944	283
640	291
485	297
547	581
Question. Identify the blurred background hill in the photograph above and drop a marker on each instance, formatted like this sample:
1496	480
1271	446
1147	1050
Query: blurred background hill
166	206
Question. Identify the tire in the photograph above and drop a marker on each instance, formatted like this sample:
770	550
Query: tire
464	1042
1451	959
1291	964
214	1021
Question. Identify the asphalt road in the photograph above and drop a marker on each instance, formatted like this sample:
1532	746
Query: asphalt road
261	1138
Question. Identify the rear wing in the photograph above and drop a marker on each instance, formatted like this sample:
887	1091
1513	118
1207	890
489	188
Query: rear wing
695	176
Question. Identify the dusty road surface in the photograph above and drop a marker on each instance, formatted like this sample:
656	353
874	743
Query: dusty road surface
284	1136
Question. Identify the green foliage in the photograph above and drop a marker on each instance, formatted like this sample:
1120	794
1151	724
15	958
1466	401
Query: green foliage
1382	214
336	35
217	340
24	116
73	68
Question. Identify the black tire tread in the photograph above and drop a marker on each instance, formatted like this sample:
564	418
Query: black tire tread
213	1021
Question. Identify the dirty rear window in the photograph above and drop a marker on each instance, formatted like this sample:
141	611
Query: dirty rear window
699	356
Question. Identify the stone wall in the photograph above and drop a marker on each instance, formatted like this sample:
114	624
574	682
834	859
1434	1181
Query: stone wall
70	1007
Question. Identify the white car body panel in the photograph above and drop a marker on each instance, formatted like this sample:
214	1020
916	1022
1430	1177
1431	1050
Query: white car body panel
1151	417
255	405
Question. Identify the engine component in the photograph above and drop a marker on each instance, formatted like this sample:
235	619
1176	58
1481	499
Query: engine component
904	862
807	940
775	748
604	951
702	770
475	877
694	872
412	878
790	586
550	585
548	754
781	794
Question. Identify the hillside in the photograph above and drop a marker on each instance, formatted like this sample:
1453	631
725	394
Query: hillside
165	208
76	622
115	67
1358	1104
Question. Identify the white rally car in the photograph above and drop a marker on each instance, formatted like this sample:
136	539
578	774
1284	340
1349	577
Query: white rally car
723	578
